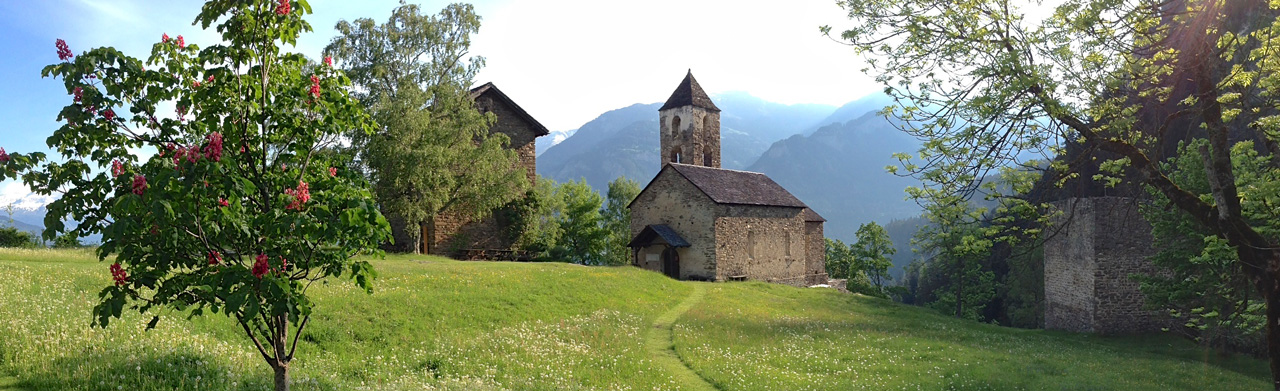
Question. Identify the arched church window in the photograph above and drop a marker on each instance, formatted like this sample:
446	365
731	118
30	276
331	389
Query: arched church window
675	155
706	159
675	125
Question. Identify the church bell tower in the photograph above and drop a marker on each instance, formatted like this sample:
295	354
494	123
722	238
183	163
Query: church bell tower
690	130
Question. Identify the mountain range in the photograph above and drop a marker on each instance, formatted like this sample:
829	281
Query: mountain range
831	158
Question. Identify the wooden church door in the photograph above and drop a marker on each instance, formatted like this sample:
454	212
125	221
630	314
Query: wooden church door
671	263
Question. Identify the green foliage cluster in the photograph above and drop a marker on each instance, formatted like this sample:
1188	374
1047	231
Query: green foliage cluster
571	222
864	263
14	237
1205	288
956	244
67	240
616	219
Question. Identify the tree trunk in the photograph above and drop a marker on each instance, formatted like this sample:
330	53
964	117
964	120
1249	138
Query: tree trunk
1273	329
282	377
960	289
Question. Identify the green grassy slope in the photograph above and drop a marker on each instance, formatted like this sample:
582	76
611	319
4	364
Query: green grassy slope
756	336
440	324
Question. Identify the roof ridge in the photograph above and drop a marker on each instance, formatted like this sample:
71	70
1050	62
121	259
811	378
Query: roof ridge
689	93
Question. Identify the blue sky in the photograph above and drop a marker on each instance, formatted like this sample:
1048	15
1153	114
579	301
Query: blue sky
564	61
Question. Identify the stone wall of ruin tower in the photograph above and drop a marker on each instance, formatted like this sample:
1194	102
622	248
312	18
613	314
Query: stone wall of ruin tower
1094	248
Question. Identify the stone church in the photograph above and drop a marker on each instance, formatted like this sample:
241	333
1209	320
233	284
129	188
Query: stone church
448	234
697	221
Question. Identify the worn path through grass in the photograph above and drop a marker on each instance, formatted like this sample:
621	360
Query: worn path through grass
658	340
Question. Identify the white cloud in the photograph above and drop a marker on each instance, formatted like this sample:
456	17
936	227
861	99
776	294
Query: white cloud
21	197
566	61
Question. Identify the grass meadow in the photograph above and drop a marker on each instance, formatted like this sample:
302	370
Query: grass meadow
756	336
437	324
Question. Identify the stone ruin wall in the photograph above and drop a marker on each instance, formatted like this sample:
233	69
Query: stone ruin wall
1102	241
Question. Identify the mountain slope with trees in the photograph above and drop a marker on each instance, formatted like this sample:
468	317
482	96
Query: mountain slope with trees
839	171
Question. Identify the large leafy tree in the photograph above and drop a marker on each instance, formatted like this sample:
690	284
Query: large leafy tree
616	219
955	244
985	83
244	207
1203	285
435	153
872	252
583	238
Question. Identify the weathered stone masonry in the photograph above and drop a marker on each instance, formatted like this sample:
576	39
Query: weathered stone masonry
1088	264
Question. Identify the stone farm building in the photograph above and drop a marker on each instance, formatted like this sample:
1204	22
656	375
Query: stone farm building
696	221
447	234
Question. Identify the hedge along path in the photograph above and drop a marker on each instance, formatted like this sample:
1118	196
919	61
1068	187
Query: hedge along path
658	340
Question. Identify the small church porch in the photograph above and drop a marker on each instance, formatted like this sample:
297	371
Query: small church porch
657	247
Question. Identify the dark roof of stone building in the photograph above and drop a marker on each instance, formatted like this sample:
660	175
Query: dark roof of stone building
646	235
811	216
689	93
735	187
490	88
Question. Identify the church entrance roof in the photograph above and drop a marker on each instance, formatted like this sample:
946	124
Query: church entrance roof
658	231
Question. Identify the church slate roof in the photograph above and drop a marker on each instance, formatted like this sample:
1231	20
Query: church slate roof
689	93
489	87
737	187
663	231
811	216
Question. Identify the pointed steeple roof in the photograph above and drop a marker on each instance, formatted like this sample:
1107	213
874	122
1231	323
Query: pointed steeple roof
689	93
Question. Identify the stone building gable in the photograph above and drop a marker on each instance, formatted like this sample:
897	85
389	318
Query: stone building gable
513	121
671	200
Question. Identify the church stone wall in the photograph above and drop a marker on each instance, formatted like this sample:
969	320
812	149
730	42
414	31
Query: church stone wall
1101	242
762	243
698	138
815	254
672	200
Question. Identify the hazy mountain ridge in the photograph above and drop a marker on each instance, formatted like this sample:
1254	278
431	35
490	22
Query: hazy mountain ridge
624	142
839	171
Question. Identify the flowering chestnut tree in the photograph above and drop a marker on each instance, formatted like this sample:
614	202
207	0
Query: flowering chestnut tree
245	203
